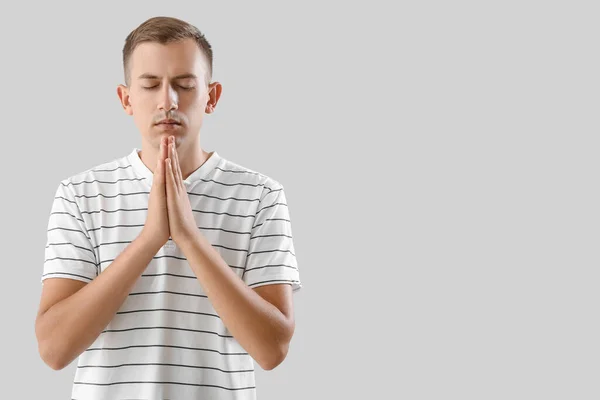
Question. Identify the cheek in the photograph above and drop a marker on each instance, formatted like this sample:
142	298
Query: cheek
193	107
143	104
191	102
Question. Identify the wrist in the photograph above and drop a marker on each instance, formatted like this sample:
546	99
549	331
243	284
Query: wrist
150	240
188	240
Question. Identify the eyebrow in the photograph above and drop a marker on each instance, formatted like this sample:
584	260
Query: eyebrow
182	76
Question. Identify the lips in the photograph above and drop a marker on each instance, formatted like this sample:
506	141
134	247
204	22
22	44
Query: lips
168	122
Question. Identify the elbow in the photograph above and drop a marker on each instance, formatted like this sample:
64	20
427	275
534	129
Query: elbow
48	351
56	366
280	349
275	358
279	346
50	356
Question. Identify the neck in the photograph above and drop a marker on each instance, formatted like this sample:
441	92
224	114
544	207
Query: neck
191	155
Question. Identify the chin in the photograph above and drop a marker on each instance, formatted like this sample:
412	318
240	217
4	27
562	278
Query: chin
170	131
179	135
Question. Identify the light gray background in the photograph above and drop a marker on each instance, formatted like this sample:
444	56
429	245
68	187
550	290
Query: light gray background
440	161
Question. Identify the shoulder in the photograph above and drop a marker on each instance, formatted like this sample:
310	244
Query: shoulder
107	171
241	173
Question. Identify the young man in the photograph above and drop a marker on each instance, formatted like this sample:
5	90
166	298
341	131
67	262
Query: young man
169	270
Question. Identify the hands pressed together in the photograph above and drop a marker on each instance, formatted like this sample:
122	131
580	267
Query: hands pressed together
169	209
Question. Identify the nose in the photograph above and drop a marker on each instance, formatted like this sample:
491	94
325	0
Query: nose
168	98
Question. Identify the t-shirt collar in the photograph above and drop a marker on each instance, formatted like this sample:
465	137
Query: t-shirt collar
141	169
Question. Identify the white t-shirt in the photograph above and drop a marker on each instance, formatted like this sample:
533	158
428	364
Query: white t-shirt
167	341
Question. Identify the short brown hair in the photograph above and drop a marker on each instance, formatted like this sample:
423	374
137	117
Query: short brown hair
165	30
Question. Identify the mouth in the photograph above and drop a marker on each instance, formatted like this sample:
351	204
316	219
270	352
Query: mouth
168	122
168	126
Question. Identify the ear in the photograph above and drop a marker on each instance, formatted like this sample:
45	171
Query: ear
214	93
123	93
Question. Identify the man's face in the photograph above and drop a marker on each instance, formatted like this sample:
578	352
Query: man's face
168	82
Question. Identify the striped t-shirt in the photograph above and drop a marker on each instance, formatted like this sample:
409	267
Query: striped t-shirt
167	341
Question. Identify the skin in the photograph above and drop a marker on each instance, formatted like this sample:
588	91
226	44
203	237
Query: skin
168	81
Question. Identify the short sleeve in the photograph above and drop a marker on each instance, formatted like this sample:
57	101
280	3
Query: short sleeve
69	252
271	257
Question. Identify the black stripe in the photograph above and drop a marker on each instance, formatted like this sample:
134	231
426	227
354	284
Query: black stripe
229	184
169	256
167	327
169	292
64	198
138	225
162	383
114	226
167	364
166	345
238	172
103	244
221	198
272	205
112	211
271	191
271	251
170	310
70	259
71	244
110	197
262	200
271	266
270	219
279	234
64	212
165	256
274	280
134	193
66	273
145	209
67	229
224	213
224	230
108	170
95	180
141	179
168	273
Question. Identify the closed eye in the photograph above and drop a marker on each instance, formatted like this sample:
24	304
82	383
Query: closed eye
183	87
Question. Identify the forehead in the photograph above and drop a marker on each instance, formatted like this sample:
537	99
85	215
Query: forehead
169	58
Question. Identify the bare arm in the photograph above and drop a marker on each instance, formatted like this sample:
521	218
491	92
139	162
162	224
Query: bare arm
68	322
263	326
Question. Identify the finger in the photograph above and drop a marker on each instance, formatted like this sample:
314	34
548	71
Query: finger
171	145
170	183
176	166
173	165
179	173
160	176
